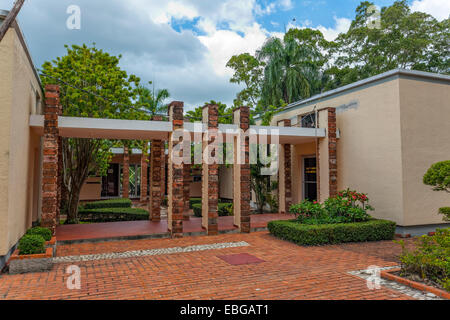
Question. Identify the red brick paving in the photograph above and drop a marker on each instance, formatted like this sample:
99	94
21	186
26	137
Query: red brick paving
289	272
144	228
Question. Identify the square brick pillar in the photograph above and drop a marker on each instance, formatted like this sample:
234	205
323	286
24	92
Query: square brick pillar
144	166
50	174
175	174
241	171
327	153
285	174
210	172
186	190
126	173
332	152
156	191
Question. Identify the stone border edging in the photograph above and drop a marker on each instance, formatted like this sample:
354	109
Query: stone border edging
150	252
387	274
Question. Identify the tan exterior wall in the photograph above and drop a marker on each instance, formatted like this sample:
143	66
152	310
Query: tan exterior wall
369	148
19	170
91	189
425	128
225	182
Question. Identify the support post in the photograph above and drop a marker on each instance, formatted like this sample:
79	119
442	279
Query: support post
241	171
186	190
126	173
156	190
210	171
144	166
50	174
175	175
327	155
285	174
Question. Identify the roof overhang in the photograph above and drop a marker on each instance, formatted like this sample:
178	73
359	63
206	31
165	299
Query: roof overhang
93	128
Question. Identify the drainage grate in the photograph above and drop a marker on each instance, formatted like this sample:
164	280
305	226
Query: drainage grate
240	259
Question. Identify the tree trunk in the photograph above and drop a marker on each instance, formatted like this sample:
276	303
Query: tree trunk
72	209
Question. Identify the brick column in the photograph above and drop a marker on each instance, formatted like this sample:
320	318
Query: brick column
156	190
126	173
60	174
144	166
210	172
50	176
186	190
332	148
241	171
327	157
175	175
285	174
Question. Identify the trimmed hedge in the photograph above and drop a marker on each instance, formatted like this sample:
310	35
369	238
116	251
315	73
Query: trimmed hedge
224	209
311	235
43	232
193	201
112	214
197	208
112	203
31	244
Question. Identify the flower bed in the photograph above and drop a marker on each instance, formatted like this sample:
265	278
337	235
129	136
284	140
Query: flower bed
343	218
311	235
395	275
34	253
430	259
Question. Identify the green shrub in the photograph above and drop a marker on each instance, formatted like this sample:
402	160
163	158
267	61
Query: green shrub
446	212
347	206
197	208
43	232
302	234
113	203
224	209
193	201
113	214
31	244
430	259
438	176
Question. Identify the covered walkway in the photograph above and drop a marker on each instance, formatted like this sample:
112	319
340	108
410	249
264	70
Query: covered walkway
150	229
210	134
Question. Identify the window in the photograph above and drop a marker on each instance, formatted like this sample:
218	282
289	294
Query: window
308	120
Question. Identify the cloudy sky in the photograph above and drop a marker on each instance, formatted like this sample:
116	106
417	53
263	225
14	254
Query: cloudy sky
183	45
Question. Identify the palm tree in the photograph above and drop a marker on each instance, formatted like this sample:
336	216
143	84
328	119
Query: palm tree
290	69
152	102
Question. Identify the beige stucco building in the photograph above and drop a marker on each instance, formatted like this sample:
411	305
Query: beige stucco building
20	156
391	129
378	136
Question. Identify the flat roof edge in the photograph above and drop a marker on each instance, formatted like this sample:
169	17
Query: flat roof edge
382	76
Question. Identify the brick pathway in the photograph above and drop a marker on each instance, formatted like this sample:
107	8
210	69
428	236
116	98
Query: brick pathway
289	272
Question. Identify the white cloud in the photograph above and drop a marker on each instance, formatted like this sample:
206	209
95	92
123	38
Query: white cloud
342	25
440	9
286	4
223	44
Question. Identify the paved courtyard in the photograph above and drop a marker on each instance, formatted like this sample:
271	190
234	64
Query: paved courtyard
209	269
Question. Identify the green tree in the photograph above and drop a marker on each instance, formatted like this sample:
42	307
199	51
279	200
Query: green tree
152	102
292	67
99	75
249	72
405	39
